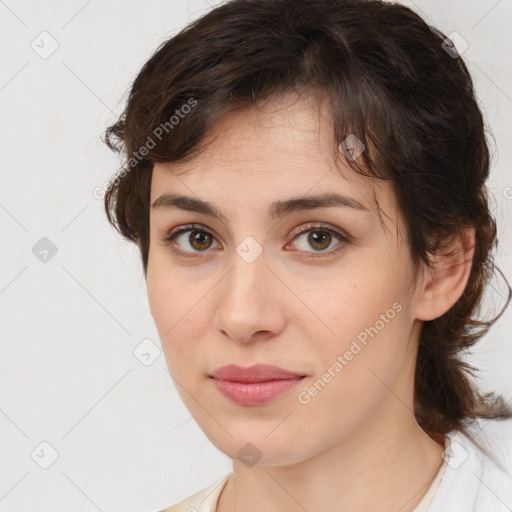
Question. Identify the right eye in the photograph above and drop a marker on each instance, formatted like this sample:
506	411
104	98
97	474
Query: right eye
198	238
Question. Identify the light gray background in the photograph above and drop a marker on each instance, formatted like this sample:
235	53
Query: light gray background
69	326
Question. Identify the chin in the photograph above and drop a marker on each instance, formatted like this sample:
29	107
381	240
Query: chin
258	447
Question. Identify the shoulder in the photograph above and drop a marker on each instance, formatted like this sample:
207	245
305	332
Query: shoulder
204	500
478	474
492	439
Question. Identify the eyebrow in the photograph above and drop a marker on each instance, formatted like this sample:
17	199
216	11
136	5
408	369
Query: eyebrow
276	210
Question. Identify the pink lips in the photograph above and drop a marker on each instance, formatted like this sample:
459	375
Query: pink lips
254	385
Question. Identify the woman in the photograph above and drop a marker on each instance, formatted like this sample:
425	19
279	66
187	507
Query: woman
305	180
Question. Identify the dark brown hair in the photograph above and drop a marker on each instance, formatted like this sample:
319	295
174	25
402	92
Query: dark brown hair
395	83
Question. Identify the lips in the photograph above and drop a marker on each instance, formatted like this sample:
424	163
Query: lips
255	385
255	373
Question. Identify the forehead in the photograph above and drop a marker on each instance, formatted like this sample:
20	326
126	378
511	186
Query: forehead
281	148
280	135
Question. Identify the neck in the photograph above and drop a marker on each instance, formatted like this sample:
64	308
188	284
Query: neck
347	476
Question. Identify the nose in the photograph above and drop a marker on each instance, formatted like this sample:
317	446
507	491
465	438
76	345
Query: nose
250	302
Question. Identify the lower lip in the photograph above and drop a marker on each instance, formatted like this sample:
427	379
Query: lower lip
255	393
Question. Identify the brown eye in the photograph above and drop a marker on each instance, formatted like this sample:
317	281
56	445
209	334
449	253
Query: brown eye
200	240
318	239
192	239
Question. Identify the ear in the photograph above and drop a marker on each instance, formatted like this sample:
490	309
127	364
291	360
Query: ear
445	283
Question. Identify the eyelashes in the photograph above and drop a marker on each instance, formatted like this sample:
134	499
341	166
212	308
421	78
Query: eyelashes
324	231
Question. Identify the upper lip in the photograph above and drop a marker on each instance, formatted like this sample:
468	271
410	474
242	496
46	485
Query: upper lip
255	373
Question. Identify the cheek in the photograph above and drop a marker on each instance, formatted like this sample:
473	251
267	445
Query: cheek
168	294
158	298
368	322
180	319
356	365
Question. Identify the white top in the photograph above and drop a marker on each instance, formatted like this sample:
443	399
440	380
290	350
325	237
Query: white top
470	479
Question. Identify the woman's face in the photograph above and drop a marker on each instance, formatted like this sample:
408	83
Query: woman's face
247	288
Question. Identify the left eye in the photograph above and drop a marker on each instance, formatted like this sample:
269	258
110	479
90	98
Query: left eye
200	239
320	238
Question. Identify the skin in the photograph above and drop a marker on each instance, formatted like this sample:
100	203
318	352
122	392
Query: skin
355	445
